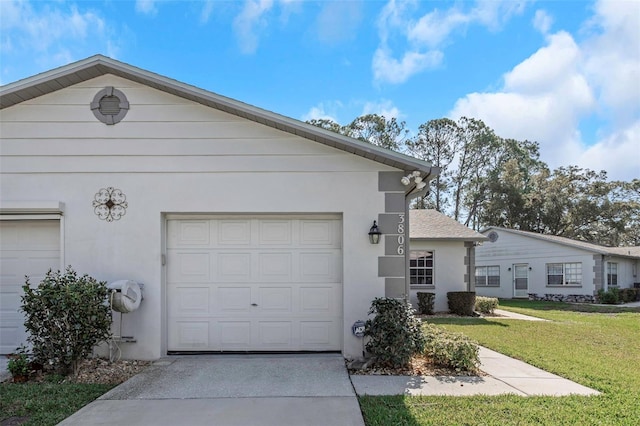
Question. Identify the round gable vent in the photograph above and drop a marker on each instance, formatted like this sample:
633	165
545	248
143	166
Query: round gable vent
110	105
493	236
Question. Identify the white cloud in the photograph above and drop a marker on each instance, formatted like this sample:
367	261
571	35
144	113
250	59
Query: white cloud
205	13
50	35
618	154
613	59
385	108
548	68
542	21
249	22
393	18
389	69
564	84
423	39
434	27
23	26
146	7
495	13
323	111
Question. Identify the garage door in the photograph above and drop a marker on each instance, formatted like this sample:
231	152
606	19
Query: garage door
27	247
254	284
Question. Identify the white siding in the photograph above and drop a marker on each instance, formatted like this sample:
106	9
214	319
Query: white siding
512	249
627	271
170	155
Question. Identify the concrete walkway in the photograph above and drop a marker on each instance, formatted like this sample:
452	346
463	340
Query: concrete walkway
513	315
231	390
505	376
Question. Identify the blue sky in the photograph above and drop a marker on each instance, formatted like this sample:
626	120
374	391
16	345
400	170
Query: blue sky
563	73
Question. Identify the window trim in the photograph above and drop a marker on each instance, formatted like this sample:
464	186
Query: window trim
486	276
432	268
565	275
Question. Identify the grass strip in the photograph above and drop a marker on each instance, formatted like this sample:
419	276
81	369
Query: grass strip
45	404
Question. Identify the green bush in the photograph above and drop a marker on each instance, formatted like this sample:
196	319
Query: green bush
609	297
461	302
425	303
66	316
19	363
486	305
451	350
394	333
628	295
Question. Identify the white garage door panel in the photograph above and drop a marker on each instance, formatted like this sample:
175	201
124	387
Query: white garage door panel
31	248
254	284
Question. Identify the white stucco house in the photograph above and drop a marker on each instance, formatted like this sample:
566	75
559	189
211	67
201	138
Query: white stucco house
247	229
520	264
442	256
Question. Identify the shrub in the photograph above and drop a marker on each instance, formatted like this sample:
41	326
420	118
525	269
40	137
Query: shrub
461	302
19	364
451	350
628	295
486	305
394	333
425	303
66	317
609	297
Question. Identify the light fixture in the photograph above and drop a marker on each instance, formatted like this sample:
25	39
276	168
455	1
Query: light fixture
374	234
416	176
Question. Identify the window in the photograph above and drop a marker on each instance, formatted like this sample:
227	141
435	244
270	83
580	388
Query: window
421	267
488	276
564	274
612	274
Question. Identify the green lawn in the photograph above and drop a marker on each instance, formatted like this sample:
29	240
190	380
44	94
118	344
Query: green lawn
45	404
597	349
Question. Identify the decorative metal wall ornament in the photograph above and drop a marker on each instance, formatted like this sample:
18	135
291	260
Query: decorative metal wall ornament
110	204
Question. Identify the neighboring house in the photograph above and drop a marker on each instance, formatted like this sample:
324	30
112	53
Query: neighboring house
520	264
442	256
248	229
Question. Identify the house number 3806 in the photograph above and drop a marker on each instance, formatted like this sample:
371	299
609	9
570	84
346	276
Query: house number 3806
401	232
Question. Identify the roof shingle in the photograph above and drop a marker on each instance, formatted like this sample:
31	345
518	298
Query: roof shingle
433	225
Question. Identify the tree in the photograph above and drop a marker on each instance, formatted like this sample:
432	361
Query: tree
506	195
476	145
436	142
327	124
378	130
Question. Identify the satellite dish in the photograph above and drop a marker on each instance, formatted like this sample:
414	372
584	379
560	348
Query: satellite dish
125	296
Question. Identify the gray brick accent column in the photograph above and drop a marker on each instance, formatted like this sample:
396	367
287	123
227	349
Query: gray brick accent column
470	263
392	266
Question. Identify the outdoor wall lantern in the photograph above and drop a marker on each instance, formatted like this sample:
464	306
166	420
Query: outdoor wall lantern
374	234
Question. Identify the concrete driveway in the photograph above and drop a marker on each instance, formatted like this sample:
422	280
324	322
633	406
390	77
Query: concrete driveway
231	390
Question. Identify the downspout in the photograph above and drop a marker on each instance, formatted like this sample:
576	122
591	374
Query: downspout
411	195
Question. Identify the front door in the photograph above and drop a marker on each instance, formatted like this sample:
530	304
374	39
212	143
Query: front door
521	280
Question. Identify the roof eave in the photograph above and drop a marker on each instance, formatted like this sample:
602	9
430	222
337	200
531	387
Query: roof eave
475	239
